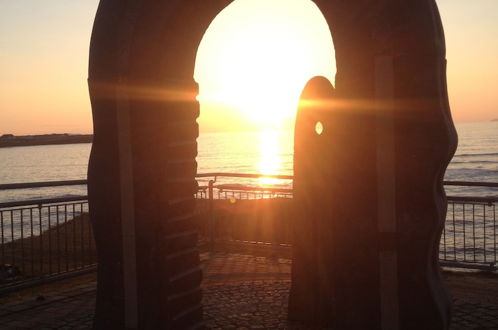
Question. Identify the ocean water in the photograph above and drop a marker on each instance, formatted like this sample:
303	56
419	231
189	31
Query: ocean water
265	152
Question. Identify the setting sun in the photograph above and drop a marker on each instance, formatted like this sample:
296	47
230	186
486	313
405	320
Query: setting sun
256	57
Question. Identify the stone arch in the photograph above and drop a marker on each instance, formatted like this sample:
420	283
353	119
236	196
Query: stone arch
390	78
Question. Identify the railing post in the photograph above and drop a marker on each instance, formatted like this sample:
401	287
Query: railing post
212	223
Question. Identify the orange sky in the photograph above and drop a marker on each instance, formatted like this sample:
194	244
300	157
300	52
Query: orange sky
44	55
251	75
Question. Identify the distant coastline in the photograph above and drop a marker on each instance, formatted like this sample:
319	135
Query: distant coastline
10	140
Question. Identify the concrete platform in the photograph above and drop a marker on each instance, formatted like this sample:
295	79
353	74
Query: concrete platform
240	292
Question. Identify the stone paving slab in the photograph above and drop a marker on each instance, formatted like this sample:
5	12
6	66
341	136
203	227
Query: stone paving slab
240	292
263	305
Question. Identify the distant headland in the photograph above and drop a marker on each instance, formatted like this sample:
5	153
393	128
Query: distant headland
10	140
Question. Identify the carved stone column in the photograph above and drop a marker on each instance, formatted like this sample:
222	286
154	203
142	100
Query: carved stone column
369	188
142	168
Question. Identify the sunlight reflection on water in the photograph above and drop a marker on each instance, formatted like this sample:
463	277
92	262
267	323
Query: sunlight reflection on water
264	152
267	152
269	161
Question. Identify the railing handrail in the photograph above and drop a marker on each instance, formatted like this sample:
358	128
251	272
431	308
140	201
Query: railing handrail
215	175
471	184
26	185
487	199
43	184
248	188
244	175
44	201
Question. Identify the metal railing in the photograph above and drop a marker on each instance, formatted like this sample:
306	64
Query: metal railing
52	237
43	239
469	238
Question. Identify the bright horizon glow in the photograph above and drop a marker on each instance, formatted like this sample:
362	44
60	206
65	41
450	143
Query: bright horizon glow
255	59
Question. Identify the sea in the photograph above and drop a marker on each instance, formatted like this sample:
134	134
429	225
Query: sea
265	152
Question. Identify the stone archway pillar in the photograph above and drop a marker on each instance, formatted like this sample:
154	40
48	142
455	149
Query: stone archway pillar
142	168
371	199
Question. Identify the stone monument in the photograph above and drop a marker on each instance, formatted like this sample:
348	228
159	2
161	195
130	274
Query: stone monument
369	188
390	137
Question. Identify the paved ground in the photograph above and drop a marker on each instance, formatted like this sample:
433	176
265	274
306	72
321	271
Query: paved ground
240	292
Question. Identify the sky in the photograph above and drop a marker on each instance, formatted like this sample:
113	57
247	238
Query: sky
252	63
44	61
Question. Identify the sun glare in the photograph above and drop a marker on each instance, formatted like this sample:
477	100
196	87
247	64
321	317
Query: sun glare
269	161
256	57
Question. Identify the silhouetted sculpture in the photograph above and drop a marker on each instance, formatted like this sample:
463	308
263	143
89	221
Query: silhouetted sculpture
389	136
369	188
312	294
142	165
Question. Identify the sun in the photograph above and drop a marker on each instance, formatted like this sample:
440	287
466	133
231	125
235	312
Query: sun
256	57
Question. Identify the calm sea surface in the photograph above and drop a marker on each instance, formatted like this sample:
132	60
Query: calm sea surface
255	152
